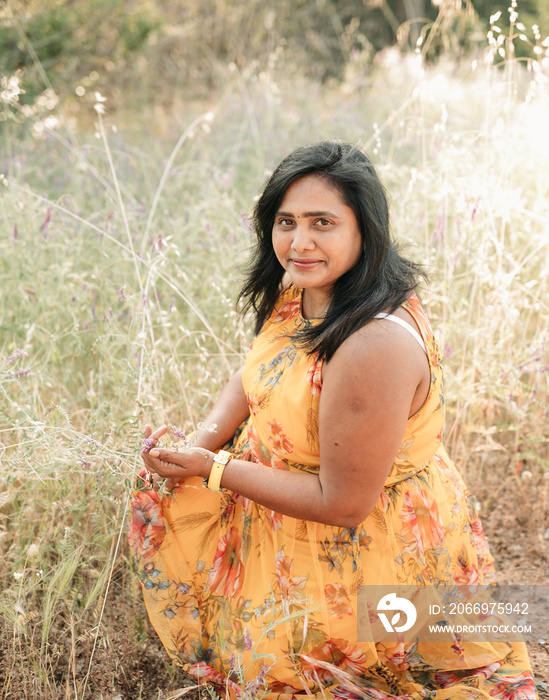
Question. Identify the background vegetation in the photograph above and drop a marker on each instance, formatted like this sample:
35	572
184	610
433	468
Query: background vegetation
134	137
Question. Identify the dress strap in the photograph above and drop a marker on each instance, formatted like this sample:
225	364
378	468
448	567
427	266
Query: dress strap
407	326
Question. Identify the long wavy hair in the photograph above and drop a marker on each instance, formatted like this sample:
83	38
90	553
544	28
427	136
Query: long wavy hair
380	280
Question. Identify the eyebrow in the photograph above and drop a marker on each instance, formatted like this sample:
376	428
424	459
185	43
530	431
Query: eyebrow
308	214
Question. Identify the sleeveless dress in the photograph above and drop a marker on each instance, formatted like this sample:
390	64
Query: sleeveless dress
262	605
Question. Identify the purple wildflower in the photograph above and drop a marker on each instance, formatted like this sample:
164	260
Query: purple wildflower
475	209
16	355
147	445
21	373
45	225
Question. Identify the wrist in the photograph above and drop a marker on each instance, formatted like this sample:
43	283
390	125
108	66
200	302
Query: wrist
220	461
206	461
207	439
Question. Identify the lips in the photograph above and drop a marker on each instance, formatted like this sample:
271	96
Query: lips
304	264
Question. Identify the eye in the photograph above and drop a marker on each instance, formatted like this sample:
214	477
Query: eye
322	223
283	221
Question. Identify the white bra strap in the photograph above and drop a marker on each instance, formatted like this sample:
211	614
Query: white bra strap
407	326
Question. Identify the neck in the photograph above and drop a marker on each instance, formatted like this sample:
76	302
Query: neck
314	304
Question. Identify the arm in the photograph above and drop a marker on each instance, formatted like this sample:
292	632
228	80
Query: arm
229	412
369	390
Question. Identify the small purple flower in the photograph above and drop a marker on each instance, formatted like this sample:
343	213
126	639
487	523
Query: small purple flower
46	223
147	445
179	434
475	209
16	355
21	373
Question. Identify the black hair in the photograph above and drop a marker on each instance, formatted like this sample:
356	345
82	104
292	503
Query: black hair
380	280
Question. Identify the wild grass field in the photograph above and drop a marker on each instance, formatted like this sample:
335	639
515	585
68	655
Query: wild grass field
124	233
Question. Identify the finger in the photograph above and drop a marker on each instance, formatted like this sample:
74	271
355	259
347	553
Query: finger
159	432
150	439
168	457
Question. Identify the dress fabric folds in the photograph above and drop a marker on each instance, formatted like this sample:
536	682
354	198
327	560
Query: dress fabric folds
262	605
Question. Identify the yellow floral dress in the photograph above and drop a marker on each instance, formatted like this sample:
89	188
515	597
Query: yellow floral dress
264	605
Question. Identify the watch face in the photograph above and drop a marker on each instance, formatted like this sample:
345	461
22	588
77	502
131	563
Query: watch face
222	457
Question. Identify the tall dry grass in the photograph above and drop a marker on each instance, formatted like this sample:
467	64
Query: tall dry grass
120	259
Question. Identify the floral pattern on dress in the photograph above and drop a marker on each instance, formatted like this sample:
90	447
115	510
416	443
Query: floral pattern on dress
338	600
262	605
314	376
322	662
147	529
227	572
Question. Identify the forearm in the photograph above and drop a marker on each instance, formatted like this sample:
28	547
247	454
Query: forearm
229	412
296	494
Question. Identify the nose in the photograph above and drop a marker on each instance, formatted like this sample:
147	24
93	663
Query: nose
302	239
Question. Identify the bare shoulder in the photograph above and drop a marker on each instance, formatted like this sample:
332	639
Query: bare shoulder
380	363
379	344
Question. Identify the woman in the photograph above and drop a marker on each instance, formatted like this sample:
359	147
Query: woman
332	474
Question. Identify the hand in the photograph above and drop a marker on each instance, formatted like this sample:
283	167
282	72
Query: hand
172	465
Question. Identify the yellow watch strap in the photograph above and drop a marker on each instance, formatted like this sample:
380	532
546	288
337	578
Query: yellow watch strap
218	467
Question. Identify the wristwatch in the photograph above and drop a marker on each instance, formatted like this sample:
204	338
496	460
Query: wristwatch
219	464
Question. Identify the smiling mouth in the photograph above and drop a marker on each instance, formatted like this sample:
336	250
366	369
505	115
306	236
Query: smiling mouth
305	264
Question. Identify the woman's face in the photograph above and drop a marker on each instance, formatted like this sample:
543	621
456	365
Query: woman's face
315	235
